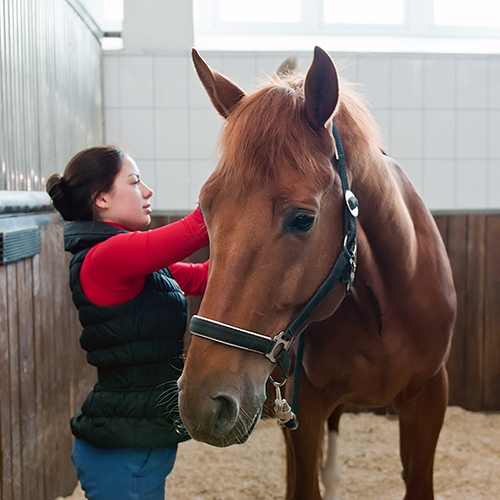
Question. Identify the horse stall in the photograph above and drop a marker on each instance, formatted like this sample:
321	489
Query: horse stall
51	107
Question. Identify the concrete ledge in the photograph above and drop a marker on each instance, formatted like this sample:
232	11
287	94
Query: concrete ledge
24	202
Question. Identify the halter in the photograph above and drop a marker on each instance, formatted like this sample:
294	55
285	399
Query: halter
276	349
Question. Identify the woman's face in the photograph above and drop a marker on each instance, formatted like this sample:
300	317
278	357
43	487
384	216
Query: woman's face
128	202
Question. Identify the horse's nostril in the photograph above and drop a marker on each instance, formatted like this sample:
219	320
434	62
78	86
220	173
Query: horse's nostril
226	412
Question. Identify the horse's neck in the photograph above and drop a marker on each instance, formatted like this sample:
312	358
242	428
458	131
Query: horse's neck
387	239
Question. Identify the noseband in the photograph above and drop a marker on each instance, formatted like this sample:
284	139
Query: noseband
276	349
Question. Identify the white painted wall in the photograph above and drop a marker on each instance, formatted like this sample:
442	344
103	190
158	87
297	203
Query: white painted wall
440	114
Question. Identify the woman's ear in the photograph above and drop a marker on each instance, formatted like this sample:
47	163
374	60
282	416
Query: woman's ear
101	201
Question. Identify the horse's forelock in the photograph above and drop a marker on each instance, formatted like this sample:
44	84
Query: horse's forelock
268	133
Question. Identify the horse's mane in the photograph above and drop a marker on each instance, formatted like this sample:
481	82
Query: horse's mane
268	132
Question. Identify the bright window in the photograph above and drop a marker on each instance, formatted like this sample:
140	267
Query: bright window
349	25
260	11
480	13
364	11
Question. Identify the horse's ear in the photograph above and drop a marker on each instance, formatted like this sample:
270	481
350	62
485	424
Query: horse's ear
321	89
289	65
223	93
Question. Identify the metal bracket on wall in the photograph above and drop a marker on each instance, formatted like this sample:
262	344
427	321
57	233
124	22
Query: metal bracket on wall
19	244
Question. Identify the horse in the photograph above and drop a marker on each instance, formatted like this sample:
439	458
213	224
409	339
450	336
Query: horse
276	207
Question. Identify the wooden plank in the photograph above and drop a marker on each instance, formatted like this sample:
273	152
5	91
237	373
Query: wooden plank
26	376
442	224
456	238
5	416
15	403
69	473
65	474
491	365
474	311
49	302
39	373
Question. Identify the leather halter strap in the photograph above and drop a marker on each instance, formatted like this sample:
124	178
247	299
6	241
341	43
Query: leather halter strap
276	348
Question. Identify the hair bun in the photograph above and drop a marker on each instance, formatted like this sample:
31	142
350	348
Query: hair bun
59	190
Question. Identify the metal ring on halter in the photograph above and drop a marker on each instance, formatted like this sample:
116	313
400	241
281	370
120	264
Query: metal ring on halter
355	247
277	384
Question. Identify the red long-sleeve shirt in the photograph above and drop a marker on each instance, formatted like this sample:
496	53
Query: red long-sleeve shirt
114	271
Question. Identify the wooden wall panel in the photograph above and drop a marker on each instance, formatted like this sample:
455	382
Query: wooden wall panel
44	376
6	484
472	241
456	237
474	311
15	418
491	359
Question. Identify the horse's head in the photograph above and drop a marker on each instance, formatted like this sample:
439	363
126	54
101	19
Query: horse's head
274	212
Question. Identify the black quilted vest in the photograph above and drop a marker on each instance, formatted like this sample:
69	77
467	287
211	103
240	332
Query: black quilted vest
137	349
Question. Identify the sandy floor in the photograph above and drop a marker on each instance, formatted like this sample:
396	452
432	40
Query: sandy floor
467	462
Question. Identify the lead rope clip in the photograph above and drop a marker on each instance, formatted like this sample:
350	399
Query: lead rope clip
282	409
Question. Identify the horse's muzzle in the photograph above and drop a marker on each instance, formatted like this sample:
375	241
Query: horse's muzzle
219	420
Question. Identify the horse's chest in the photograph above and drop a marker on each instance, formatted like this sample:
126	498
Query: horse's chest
352	356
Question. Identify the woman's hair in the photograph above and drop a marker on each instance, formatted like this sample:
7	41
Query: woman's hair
89	173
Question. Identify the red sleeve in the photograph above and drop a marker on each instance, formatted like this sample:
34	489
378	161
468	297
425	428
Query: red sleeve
114	271
192	277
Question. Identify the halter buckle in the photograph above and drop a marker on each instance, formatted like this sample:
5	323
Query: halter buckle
280	343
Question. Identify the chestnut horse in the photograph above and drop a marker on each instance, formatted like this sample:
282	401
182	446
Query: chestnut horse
274	208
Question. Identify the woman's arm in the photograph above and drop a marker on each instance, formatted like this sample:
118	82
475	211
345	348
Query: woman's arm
192	277
114	271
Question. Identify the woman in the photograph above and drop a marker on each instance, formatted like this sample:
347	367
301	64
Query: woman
133	312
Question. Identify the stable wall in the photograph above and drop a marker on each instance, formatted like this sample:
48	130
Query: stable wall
439	115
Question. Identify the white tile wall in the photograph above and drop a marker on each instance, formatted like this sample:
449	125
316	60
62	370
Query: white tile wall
438	81
406	133
493	181
439	115
471	183
439	133
472	133
170	82
472	82
438	186
494	133
171	185
374	73
241	69
494	83
136	81
137	132
204	127
171	133
406	86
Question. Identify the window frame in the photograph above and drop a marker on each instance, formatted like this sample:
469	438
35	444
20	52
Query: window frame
418	24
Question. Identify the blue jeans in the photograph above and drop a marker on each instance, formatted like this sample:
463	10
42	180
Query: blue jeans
122	473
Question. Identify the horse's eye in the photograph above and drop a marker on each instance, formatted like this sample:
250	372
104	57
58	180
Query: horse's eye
303	222
300	223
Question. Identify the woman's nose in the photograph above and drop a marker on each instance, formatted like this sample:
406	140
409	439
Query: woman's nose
147	192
